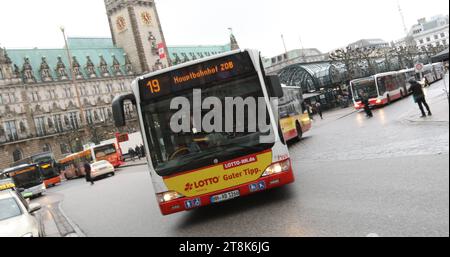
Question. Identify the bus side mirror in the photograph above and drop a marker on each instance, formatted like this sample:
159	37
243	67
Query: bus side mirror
117	108
274	86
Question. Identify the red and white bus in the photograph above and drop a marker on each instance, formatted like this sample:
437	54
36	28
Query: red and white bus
72	165
381	88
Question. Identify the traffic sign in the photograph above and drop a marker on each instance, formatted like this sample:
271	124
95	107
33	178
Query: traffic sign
419	67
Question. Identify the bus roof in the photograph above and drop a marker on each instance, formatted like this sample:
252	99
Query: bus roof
71	157
19	167
104	144
190	63
386	74
361	79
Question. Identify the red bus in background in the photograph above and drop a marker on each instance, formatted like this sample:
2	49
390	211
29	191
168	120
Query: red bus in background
72	165
381	89
107	152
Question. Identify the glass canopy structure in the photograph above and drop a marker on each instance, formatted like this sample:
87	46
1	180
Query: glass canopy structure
312	77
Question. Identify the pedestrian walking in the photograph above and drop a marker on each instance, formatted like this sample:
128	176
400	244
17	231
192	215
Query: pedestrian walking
319	110
419	97
366	103
87	170
137	150
142	150
131	153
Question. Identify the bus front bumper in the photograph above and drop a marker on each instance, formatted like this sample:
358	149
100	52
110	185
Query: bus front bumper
269	182
52	181
33	191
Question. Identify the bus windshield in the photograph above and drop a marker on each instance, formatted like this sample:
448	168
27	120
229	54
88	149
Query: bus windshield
364	85
47	165
177	152
27	177
104	150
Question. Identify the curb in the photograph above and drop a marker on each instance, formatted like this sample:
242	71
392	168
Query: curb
78	231
348	114
133	165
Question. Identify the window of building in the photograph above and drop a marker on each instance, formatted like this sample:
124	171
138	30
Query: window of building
442	35
436	36
89	117
40	126
64	148
1	99
10	98
421	41
122	87
35	96
46	148
11	130
428	39
17	155
97	89
73	120
68	92
57	120
52	94
128	110
109	88
104	113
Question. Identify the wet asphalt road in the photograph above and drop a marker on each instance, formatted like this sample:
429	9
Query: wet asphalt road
387	176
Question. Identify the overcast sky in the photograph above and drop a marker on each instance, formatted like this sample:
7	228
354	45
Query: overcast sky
322	24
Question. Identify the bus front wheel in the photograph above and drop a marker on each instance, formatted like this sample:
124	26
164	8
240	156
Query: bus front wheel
388	100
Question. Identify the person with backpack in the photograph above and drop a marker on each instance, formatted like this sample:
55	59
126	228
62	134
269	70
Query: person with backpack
419	97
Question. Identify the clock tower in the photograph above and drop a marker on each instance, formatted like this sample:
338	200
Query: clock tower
136	28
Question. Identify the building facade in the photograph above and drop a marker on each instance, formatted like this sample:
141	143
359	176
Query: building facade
39	108
428	33
42	108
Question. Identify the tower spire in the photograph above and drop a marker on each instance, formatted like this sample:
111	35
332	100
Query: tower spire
233	42
402	17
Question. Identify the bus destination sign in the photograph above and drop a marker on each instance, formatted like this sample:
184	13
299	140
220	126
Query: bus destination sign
196	76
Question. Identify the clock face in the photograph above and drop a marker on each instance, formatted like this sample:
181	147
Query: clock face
146	18
121	23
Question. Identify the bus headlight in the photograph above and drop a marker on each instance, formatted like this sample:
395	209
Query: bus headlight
28	235
277	168
378	101
169	196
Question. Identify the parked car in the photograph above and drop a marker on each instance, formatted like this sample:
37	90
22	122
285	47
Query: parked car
16	214
101	168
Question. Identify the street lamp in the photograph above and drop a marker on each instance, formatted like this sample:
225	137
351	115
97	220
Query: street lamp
74	80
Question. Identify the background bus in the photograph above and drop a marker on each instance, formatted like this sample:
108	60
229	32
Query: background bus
108	152
381	88
294	121
28	177
433	72
195	168
72	165
48	167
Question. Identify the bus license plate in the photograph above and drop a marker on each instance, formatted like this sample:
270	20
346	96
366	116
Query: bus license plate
225	197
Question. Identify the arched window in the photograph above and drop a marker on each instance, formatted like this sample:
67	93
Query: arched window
17	155
47	148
